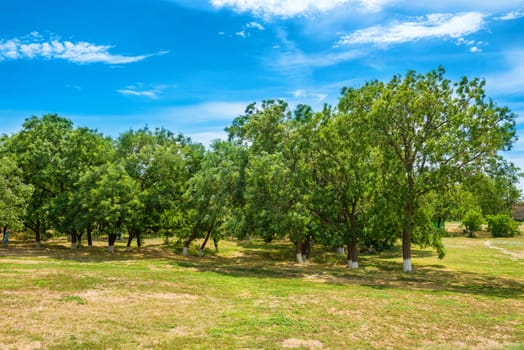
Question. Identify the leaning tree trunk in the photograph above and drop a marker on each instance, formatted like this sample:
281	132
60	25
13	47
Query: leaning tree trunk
130	238
201	251
190	239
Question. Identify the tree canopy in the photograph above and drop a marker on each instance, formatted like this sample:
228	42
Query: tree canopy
385	163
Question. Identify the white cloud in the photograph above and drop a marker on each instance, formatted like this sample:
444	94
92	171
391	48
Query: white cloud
282	8
431	26
303	94
36	46
255	25
297	58
475	49
511	16
242	34
139	90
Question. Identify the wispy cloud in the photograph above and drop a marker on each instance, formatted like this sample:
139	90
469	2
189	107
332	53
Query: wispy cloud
141	90
282	8
241	34
35	46
309	95
510	80
255	25
324	59
511	16
430	26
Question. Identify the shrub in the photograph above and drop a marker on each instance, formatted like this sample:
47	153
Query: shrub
502	225
472	221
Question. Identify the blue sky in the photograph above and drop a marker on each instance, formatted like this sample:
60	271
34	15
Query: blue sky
193	66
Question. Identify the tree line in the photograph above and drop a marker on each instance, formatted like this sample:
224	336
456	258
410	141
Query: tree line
392	160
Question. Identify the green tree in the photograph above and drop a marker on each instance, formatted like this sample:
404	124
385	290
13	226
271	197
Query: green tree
345	170
83	150
38	150
110	199
14	194
161	164
276	174
209	198
434	132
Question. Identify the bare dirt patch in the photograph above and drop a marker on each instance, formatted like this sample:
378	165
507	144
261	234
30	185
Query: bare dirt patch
293	343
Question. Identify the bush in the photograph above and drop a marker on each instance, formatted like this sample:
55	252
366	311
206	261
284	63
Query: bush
472	221
502	225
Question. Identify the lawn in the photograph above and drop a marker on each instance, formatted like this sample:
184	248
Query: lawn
252	295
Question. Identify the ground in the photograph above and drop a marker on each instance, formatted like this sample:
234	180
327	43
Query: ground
251	295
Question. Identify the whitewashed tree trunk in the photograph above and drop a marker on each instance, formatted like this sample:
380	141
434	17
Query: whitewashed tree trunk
200	252
304	258
407	265
89	247
353	264
37	244
300	259
185	251
73	245
340	250
111	248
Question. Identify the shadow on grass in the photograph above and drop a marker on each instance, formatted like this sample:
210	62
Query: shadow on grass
256	259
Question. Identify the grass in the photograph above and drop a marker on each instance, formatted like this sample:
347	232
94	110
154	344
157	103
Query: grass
253	296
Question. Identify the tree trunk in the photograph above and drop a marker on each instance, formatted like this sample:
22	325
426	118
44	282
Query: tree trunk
111	238
406	236
352	245
299	245
130	238
353	255
89	237
215	243
206	239
37	234
73	240
79	240
190	239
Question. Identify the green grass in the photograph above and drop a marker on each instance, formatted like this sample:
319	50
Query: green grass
253	296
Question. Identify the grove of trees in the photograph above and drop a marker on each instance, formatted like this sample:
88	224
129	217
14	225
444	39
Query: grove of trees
393	160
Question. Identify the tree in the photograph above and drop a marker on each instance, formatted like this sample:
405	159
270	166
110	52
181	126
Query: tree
83	150
433	133
38	150
208	199
345	169
14	194
109	199
161	164
276	173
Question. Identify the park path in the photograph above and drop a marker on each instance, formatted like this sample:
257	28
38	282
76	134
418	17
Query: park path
514	255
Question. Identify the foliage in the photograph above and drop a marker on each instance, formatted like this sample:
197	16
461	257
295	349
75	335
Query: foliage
502	225
472	221
384	163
